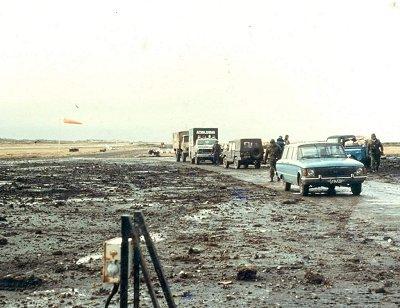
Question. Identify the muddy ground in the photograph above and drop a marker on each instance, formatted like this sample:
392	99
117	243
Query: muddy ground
208	223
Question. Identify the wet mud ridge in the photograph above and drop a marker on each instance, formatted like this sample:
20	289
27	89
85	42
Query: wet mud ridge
223	242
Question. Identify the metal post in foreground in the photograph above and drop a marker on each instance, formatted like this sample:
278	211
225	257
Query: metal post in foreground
125	233
138	218
136	265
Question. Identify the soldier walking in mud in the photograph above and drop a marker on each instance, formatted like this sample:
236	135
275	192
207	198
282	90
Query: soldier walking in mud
375	150
273	152
216	151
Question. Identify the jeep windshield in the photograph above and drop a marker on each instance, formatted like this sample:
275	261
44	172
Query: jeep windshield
251	144
321	151
206	141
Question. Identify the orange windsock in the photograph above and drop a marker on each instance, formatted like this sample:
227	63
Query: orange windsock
70	121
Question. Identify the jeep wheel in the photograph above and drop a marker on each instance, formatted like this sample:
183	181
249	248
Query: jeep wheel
236	163
304	189
356	189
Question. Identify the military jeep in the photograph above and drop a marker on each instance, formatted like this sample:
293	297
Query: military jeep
243	152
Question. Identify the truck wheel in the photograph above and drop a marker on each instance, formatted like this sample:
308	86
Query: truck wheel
225	163
236	163
356	189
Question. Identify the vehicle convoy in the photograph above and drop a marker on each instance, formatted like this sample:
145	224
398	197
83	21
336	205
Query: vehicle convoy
200	145
243	152
355	146
319	164
180	143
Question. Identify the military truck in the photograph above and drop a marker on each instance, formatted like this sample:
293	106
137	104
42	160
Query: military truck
180	143
201	141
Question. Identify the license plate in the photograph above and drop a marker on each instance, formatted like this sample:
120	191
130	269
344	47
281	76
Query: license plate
335	181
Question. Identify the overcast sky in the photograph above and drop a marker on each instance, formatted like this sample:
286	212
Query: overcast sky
139	70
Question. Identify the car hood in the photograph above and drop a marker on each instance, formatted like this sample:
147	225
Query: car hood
329	162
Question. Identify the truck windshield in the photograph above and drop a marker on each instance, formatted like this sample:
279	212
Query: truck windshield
206	141
321	151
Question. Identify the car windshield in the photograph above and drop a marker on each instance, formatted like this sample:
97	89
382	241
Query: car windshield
321	151
206	141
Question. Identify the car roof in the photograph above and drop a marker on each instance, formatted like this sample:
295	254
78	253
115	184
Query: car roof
341	136
311	143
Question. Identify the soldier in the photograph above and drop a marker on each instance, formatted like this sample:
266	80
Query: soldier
280	142
273	152
216	150
375	150
287	142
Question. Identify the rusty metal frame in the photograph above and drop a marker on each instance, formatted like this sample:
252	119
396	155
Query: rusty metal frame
129	230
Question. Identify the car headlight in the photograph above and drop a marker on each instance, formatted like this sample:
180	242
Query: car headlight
360	171
308	172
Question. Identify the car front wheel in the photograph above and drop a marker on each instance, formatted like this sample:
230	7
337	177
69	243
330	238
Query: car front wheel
304	189
236	163
356	189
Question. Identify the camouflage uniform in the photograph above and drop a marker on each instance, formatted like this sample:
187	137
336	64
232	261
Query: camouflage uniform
375	150
216	153
273	152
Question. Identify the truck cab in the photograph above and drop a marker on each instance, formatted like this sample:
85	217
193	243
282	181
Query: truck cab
201	142
354	146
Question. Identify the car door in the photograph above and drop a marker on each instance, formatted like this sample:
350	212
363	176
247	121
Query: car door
292	165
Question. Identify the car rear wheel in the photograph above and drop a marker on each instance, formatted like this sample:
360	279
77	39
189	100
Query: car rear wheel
287	185
246	166
236	163
257	165
356	189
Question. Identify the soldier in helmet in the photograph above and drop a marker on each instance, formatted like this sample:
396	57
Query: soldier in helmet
216	151
273	152
375	150
280	142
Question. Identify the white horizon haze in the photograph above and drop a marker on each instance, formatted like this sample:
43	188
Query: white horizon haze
134	70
